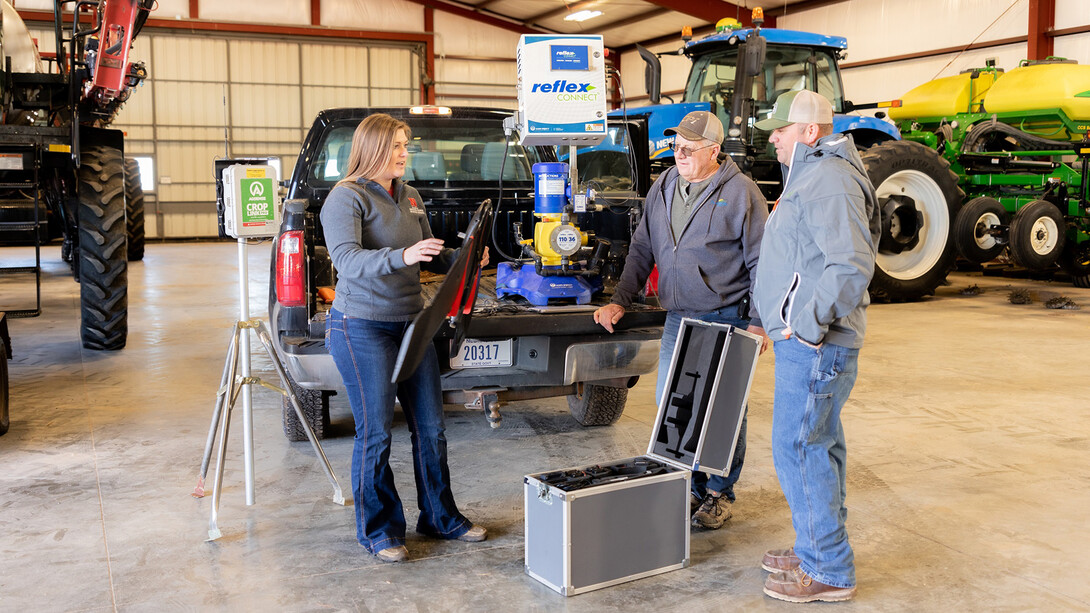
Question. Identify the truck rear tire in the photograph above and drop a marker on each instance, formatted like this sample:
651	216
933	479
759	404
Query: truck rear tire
103	272
597	405
905	168
134	211
315	405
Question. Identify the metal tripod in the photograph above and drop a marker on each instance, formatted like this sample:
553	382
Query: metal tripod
236	381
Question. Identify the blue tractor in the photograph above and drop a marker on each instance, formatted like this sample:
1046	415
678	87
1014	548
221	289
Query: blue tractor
737	73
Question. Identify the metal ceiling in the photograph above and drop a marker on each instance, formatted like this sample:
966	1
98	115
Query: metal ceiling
622	22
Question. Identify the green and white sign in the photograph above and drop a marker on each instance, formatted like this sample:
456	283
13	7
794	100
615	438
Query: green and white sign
258	201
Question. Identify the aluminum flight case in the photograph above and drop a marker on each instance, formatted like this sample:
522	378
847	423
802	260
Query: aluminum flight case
595	526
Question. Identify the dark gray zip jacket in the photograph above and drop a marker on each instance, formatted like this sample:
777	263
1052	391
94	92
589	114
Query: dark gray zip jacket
366	232
819	246
714	262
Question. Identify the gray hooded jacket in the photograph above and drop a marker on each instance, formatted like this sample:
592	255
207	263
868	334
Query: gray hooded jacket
713	262
817	258
366	232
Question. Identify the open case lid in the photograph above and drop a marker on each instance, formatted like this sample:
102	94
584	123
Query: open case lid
455	298
704	399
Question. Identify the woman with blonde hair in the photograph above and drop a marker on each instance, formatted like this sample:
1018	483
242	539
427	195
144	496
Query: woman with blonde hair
378	236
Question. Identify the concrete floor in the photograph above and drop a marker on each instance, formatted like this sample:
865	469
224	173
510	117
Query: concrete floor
968	472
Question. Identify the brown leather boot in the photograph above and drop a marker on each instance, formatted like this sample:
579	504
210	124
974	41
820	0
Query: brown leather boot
797	586
780	560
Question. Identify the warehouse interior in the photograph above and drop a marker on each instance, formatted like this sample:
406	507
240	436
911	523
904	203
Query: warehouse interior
967	472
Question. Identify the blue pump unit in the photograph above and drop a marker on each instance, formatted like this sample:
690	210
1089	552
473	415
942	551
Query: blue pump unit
553	275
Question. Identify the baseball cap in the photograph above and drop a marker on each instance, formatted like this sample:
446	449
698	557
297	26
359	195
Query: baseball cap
699	125
798	106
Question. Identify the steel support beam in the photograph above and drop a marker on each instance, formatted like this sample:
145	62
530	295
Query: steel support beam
1042	18
713	10
315	12
468	11
427	80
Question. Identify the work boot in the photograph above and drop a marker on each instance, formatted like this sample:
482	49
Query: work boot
393	554
796	586
694	503
713	512
475	534
780	560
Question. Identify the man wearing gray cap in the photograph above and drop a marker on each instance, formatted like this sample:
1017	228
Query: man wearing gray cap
702	225
817	260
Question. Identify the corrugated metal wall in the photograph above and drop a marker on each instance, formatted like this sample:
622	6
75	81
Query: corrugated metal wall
258	95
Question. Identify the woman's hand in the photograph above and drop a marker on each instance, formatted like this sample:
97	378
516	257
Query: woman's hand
422	251
484	258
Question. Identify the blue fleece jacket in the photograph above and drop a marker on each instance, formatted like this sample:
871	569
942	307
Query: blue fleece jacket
817	258
366	233
713	262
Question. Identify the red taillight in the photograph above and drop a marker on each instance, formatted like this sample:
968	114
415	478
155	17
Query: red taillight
290	285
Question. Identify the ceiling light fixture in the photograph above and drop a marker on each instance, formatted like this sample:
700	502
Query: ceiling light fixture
582	15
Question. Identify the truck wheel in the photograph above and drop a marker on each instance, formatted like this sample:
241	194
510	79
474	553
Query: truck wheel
1075	259
971	227
1037	235
103	272
920	198
134	211
315	405
4	421
597	405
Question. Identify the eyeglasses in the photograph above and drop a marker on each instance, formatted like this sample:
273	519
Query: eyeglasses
687	151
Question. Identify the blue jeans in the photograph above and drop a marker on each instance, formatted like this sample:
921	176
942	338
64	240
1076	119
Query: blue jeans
364	351
809	452
702	482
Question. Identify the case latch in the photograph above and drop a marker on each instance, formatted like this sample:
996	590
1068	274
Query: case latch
543	493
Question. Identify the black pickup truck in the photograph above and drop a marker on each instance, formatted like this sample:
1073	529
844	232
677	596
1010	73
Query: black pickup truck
516	351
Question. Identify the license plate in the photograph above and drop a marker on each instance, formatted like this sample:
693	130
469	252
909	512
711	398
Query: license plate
482	354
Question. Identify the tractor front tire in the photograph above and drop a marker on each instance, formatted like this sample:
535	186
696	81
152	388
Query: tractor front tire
134	211
909	169
597	405
103	271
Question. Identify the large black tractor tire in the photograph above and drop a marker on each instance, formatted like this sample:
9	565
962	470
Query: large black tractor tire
134	211
1038	233
973	230
103	271
597	405
4	420
315	405
915	254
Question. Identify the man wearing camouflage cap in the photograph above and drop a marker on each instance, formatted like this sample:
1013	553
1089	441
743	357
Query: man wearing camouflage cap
702	225
817	260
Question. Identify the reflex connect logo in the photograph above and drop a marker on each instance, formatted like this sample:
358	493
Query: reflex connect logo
568	92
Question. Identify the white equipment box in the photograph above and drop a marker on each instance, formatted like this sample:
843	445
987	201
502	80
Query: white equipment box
561	89
251	201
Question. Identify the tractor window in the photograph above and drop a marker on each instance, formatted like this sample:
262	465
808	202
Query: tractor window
788	68
712	80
